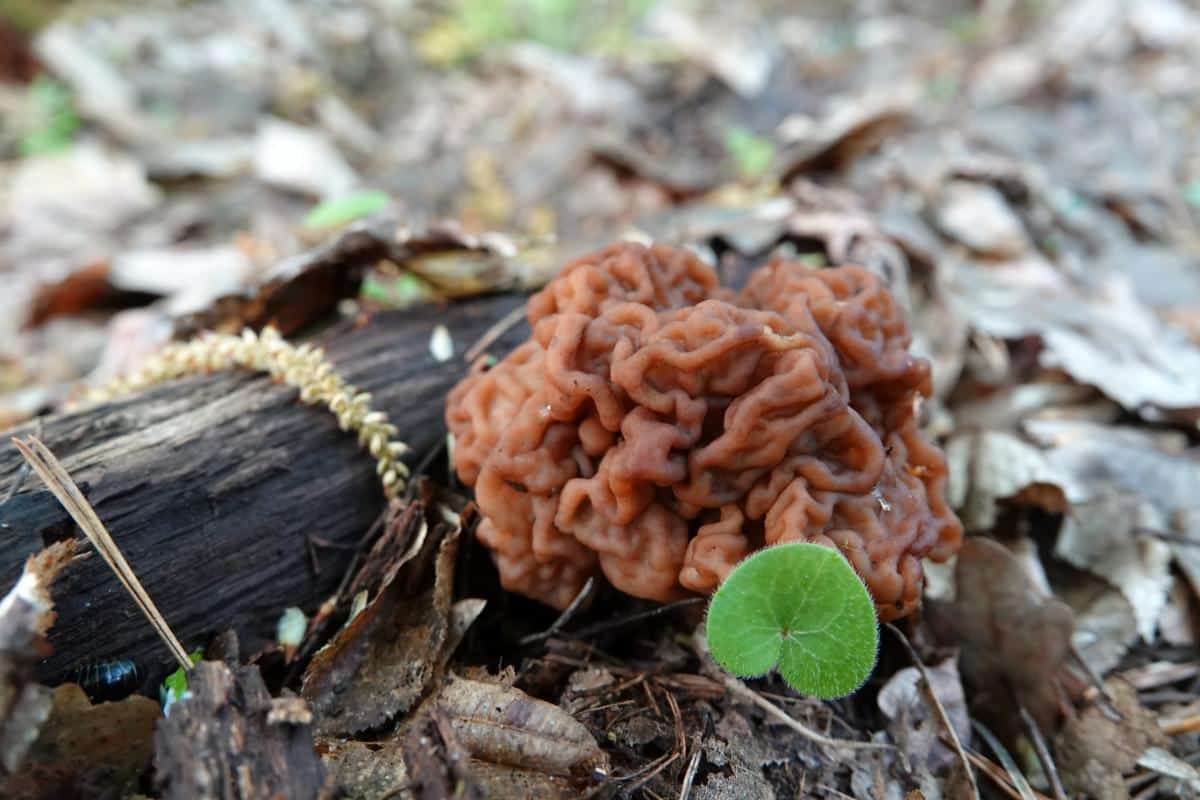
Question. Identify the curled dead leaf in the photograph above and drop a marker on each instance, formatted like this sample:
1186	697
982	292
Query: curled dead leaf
388	656
503	725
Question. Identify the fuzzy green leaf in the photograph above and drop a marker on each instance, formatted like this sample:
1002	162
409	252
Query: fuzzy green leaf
802	607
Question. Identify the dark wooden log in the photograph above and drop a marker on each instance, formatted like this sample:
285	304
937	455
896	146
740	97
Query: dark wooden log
217	487
230	739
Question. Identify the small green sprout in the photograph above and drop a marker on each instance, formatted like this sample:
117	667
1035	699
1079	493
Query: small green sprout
55	122
802	607
333	213
402	291
752	154
175	685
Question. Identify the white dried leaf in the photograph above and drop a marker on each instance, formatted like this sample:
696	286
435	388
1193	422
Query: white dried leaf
301	160
1100	333
1101	536
977	215
998	466
441	346
1105	626
1161	761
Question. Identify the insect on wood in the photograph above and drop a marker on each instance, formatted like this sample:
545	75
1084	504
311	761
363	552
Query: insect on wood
105	681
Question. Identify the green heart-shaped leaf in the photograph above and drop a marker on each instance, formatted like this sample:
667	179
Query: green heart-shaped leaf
802	607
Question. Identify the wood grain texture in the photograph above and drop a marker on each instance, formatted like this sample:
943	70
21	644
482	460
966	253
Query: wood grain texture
212	485
230	739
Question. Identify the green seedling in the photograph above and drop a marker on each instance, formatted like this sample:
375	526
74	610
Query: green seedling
175	685
334	213
55	122
799	607
752	154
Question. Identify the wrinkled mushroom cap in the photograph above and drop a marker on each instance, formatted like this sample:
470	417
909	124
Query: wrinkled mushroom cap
658	428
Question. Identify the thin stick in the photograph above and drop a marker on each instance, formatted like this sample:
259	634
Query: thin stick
1006	760
931	695
998	776
604	627
743	691
1043	752
564	617
495	332
1181	726
60	484
693	767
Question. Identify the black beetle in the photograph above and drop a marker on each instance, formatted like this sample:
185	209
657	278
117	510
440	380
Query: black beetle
108	680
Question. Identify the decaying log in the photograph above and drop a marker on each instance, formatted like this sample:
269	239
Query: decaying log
229	498
230	739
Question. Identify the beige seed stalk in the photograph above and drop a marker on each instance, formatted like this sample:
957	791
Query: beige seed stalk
304	367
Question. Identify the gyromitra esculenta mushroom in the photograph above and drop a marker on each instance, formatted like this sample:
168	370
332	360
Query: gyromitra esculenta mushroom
658	428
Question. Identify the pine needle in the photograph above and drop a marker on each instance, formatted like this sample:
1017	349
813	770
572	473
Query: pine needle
60	484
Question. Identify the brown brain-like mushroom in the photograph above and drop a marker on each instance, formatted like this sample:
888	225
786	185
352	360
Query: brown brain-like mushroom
659	428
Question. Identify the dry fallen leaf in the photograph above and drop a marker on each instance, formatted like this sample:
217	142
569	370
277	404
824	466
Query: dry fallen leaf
913	723
1013	640
87	750
364	769
302	289
991	466
1095	751
1103	536
503	725
26	614
977	215
387	657
1105	624
1099	333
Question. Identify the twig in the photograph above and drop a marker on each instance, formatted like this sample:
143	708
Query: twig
990	769
1105	702
495	332
678	751
564	617
604	627
1160	673
689	776
60	484
1043	752
931	695
739	689
1006	760
1166	536
1181	726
